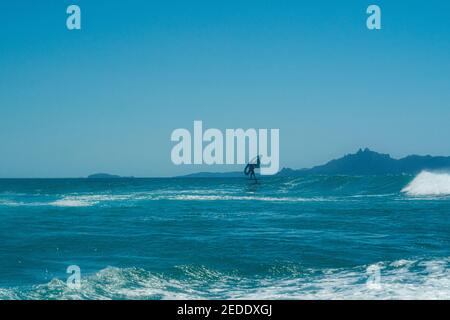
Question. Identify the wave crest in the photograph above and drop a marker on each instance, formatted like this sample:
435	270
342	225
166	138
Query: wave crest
429	184
403	279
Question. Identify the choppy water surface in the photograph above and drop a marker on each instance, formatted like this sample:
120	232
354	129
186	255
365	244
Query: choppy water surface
299	238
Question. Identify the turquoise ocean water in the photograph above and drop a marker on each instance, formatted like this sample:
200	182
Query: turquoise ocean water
310	237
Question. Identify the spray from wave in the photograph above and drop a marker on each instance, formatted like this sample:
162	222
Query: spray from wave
429	184
401	279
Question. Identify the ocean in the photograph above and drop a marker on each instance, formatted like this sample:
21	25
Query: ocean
312	237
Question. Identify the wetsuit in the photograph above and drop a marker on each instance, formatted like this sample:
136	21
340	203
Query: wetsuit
250	168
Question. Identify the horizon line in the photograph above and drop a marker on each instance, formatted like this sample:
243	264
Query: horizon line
186	175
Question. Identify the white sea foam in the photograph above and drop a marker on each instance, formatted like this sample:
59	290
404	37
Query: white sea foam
10	203
403	279
244	198
429	184
66	202
13	203
88	200
105	199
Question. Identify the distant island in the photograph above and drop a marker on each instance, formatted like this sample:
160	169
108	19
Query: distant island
363	162
106	176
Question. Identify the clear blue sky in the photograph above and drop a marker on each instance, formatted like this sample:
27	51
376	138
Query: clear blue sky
106	98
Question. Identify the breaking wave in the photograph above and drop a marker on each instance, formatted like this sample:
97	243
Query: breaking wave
243	198
402	279
276	190
92	200
429	184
